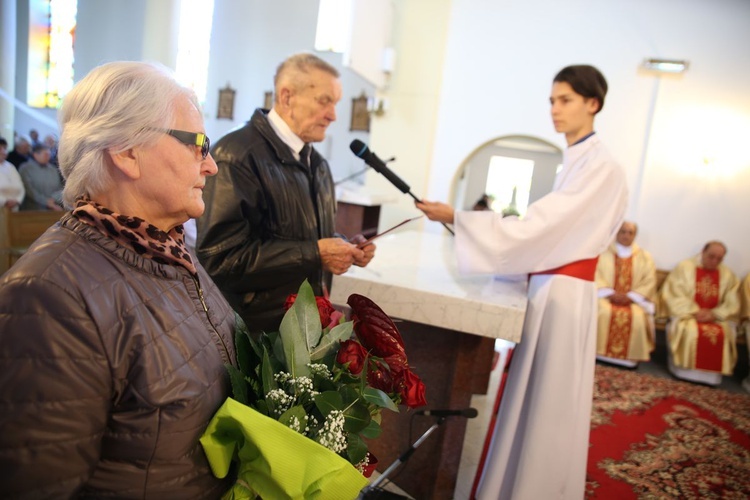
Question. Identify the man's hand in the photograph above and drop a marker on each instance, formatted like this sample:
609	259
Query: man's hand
337	256
434	210
368	251
620	299
705	316
11	203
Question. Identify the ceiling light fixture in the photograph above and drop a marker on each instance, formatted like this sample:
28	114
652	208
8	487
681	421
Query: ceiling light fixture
665	65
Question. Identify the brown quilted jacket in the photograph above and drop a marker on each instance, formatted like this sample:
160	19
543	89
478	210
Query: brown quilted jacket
110	369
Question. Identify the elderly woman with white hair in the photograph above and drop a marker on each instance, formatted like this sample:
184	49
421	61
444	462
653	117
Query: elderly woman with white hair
113	339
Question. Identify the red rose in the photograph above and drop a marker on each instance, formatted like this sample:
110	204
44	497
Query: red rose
372	463
412	389
353	353
289	301
329	316
326	311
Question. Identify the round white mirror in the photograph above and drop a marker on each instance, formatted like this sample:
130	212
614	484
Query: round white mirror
507	173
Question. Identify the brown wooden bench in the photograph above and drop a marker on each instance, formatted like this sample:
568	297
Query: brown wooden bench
19	229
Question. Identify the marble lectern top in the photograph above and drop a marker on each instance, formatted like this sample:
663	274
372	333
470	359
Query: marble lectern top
414	277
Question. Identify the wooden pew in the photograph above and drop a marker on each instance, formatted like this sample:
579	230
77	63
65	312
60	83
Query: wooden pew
19	229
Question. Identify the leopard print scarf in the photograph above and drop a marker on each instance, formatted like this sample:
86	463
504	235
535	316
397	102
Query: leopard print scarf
134	233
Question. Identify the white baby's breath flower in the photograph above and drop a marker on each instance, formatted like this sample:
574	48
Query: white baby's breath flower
332	435
321	370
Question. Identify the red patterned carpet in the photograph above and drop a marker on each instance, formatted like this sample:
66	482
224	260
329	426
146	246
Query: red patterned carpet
654	437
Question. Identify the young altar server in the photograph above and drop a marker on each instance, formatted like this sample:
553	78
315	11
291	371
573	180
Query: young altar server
539	446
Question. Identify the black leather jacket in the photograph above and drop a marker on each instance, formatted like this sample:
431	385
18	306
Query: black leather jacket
265	212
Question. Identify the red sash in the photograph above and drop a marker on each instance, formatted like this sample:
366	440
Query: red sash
709	351
581	269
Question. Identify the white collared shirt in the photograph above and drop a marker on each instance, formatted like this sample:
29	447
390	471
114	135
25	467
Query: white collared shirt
285	133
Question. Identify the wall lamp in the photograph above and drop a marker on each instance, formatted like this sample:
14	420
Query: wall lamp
665	65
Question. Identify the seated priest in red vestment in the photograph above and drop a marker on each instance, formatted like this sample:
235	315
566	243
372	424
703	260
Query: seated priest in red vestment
701	295
745	318
626	282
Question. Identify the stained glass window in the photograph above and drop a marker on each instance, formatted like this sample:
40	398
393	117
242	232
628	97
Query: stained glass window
52	30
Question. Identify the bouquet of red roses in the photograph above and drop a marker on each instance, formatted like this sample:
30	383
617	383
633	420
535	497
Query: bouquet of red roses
305	397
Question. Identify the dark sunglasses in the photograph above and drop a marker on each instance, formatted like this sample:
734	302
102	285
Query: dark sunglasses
191	139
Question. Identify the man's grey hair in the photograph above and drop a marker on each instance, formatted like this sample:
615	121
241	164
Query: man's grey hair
117	106
294	70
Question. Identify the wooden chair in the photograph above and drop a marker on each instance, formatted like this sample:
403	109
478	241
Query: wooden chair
19	229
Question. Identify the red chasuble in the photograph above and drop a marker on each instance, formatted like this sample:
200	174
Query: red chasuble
621	317
710	347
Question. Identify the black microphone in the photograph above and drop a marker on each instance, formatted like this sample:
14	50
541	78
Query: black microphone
361	150
468	413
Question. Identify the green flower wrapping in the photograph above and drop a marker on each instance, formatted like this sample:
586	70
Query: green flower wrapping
306	397
275	461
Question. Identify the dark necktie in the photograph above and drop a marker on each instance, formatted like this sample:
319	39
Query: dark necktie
304	155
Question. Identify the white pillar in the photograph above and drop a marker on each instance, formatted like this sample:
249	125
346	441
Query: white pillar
7	69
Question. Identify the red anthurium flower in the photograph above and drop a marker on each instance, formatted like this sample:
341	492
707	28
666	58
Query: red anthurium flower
374	328
379	376
412	389
353	353
397	362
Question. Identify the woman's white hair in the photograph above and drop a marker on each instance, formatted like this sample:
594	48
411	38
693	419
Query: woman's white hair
117	106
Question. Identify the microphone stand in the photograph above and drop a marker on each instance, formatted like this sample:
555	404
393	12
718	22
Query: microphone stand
403	458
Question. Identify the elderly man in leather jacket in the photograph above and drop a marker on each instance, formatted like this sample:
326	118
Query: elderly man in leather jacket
269	219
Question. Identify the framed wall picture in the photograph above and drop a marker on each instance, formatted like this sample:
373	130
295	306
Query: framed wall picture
226	103
360	114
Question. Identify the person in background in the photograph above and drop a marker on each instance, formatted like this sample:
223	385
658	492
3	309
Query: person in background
11	185
626	278
701	296
113	340
540	443
51	142
21	152
42	181
34	136
269	220
745	319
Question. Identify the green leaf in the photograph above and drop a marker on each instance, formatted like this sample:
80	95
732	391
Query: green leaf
300	330
357	417
330	342
356	448
328	401
239	386
267	372
372	431
349	394
295	411
379	398
247	353
262	407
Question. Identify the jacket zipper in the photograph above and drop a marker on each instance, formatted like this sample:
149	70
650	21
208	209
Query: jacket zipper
205	309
